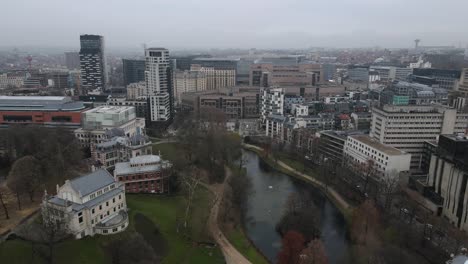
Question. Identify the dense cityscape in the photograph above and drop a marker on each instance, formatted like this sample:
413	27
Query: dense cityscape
309	155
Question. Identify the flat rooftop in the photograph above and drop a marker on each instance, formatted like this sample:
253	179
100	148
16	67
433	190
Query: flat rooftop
109	109
39	103
377	145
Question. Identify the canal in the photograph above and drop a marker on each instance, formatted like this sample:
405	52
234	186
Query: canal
267	204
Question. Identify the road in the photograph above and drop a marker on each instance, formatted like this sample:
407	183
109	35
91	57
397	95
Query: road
231	255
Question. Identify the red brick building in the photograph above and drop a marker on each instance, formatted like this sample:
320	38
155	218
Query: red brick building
144	174
50	111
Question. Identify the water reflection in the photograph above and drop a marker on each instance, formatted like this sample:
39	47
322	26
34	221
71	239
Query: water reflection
266	206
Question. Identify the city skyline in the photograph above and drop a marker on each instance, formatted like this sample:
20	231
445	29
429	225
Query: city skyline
240	24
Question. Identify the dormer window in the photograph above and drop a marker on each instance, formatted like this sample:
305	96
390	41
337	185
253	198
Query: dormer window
92	196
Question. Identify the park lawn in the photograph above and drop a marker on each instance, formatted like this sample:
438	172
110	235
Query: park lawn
238	239
161	210
170	151
164	211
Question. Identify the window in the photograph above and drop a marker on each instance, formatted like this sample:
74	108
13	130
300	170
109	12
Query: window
92	221
114	230
113	200
100	207
120	197
107	203
104	231
92	211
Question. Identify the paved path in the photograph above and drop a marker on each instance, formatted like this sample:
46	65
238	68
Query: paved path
231	255
342	203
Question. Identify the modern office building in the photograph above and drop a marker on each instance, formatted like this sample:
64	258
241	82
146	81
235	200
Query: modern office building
360	149
408	127
59	79
133	71
141	104
92	64
405	93
235	106
448	177
268	74
72	60
332	145
358	73
446	79
144	174
272	102
217	63
158	79
88	205
49	111
97	121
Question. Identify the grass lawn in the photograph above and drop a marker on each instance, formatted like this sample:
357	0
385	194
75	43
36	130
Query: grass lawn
169	151
239	240
161	210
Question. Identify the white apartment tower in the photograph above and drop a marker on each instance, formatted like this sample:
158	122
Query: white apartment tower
272	102
158	84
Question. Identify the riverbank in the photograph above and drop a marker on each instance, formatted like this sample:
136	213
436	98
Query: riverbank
344	207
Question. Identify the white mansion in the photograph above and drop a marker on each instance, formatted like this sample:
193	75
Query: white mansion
91	204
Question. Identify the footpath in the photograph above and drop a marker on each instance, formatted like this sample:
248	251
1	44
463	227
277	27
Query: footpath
231	255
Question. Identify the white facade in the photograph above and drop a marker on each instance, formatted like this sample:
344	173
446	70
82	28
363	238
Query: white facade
91	204
188	81
362	148
10	81
216	78
136	91
158	85
300	110
95	122
272	102
407	127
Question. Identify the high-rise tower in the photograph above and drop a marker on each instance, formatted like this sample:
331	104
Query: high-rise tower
92	64
158	85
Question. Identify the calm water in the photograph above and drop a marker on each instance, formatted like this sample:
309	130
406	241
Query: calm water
267	206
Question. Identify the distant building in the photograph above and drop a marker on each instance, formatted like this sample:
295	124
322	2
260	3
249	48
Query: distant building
92	64
463	84
216	78
188	81
389	73
7	81
448	177
144	174
72	60
136	91
90	204
446	79
49	111
408	127
59	79
96	122
405	93
358	73
217	63
360	149
133	71
361	120
268	74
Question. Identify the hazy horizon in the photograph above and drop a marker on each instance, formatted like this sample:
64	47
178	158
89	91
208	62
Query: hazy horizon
205	24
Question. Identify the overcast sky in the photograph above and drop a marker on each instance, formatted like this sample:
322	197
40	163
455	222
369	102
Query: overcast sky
180	24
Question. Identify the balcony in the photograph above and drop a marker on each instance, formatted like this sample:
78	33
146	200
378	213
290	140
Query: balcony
115	224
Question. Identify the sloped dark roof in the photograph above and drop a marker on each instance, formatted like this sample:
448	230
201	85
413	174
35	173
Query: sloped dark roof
92	182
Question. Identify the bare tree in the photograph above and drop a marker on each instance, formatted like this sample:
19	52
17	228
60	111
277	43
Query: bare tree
190	182
388	188
5	195
53	229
